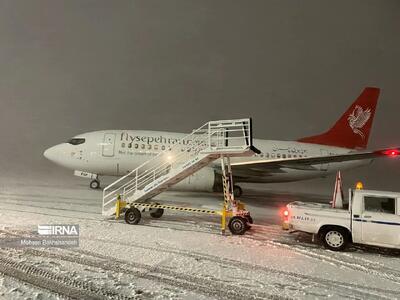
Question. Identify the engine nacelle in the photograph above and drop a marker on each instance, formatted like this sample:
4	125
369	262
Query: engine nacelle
201	181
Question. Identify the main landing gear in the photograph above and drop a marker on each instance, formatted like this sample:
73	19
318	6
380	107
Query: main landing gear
237	191
95	184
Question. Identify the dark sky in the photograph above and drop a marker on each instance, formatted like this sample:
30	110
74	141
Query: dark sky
69	67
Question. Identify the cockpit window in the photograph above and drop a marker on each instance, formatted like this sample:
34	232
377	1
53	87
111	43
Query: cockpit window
76	141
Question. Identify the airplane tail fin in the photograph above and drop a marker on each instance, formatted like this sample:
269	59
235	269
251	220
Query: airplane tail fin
353	128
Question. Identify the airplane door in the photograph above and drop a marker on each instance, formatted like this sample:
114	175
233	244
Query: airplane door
109	144
324	167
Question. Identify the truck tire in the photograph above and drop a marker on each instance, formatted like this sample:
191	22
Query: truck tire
238	225
335	238
132	216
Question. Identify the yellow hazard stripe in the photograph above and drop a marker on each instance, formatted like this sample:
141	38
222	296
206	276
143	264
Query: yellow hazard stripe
179	208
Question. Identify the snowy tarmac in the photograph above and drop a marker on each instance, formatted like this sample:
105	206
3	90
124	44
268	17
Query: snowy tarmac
181	255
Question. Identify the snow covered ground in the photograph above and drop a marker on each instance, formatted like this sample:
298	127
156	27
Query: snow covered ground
180	256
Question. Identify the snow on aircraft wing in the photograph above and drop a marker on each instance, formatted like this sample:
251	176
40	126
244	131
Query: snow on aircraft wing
308	162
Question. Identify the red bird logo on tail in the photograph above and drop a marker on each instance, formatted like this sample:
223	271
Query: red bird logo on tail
358	118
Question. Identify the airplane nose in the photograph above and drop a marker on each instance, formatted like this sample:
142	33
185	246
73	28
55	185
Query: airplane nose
51	153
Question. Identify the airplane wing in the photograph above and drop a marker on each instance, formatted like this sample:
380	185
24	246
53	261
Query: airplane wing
251	168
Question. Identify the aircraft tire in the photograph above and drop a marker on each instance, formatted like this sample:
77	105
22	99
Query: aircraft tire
238	225
132	216
95	184
156	214
237	191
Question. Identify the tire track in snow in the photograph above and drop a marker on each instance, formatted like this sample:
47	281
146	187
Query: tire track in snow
338	287
66	286
371	268
208	287
353	289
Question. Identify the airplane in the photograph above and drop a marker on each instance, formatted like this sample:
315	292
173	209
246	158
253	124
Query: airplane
117	152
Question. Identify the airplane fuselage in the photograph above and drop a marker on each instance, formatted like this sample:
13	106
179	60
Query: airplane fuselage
117	152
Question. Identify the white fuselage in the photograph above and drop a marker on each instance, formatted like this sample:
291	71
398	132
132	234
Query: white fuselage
116	152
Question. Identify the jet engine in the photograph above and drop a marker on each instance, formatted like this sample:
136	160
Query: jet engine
201	181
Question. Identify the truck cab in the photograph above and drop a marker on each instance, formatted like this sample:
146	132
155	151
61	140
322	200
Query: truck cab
375	218
372	218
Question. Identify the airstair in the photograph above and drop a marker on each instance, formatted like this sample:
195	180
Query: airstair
213	140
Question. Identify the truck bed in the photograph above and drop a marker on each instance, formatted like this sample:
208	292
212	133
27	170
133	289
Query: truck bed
317	206
309	217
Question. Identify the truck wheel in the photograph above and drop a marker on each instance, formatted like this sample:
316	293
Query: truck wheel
238	225
156	214
132	216
335	239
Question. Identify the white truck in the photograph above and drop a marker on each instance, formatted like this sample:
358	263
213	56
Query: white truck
372	218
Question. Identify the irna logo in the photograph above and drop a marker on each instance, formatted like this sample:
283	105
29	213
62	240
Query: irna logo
60	230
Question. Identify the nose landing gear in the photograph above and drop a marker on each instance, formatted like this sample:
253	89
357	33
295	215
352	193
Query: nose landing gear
95	184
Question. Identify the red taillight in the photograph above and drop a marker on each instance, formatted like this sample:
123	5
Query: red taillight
285	218
285	214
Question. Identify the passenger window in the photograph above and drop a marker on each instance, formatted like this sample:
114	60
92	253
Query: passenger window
380	204
76	141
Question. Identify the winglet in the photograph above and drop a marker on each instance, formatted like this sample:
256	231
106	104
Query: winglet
353	128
